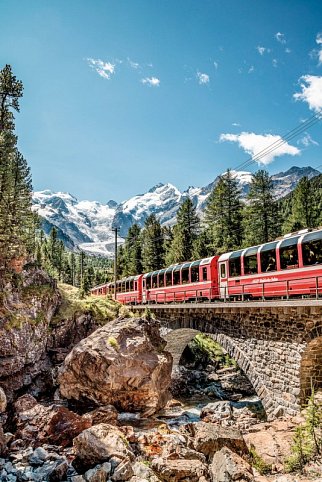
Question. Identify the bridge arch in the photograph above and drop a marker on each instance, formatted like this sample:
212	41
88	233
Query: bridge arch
178	339
311	364
278	344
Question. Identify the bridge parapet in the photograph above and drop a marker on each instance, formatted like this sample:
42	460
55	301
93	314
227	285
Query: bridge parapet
277	344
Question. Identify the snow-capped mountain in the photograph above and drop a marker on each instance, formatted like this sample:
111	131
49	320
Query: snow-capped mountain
87	225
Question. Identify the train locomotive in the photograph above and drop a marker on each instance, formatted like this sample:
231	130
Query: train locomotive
285	268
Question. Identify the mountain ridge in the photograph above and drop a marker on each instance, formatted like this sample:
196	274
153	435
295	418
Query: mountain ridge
87	225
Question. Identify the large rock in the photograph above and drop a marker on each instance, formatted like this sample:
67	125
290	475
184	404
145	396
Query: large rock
208	438
227	466
24	331
52	424
273	441
3	401
99	444
122	363
179	470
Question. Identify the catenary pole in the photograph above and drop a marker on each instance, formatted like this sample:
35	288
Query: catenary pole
115	260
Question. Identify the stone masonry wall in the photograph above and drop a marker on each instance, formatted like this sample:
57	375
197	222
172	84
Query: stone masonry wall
278	347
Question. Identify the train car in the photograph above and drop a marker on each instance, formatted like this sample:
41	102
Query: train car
101	290
129	290
289	267
193	280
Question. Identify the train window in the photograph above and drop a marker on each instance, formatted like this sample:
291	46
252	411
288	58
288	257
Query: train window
176	276
154	281
168	278
148	282
161	279
204	274
250	264
312	248
194	274
223	270
289	254
185	275
235	264
268	257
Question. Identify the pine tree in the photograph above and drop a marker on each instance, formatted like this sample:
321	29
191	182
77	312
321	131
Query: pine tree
224	215
152	244
303	212
202	247
262	221
17	222
184	233
132	252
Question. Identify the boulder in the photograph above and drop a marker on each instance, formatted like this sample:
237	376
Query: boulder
99	473
179	470
3	401
53	424
122	363
217	411
105	414
123	471
208	438
227	466
3	442
273	441
160	441
143	472
100	443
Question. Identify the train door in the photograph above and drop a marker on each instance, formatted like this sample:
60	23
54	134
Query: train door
223	279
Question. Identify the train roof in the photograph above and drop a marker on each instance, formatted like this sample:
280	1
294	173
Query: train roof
179	266
301	236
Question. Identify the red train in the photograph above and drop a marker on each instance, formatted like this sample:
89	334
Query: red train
284	268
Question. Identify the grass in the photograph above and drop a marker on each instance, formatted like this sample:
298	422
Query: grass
102	309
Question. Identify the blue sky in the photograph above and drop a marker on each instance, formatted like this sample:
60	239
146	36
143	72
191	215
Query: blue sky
123	94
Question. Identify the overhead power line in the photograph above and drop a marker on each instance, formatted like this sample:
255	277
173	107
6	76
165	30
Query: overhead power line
281	141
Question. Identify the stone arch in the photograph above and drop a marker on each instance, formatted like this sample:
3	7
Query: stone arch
178	339
311	366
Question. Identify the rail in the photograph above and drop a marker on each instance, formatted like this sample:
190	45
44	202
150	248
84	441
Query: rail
308	287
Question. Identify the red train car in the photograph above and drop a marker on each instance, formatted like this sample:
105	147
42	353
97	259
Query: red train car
284	268
128	290
182	282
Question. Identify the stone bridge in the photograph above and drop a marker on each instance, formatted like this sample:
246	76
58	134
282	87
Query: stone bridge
277	344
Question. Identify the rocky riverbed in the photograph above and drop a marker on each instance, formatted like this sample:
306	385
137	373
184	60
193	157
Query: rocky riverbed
95	404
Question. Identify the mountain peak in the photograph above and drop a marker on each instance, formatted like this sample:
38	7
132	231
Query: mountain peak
157	186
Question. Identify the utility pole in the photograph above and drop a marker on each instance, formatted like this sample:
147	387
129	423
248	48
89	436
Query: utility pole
115	260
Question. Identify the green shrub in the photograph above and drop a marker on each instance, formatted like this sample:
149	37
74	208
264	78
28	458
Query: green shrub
258	463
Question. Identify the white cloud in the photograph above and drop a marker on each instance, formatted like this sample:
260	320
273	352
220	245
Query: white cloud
216	65
251	69
254	143
287	50
261	50
132	64
307	140
280	37
203	78
311	92
274	63
319	38
151	81
104	69
235	124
